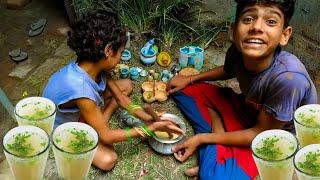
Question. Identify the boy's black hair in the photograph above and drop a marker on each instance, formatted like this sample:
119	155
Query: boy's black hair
286	7
93	32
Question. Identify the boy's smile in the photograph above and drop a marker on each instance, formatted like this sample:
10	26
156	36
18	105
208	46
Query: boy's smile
259	30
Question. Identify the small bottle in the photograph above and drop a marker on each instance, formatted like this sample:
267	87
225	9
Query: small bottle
127	46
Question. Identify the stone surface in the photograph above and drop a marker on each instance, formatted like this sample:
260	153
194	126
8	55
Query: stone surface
62	55
63	50
17	4
22	69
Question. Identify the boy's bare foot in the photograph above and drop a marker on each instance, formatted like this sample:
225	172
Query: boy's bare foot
194	171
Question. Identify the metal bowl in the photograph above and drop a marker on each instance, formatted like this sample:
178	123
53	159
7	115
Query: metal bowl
164	146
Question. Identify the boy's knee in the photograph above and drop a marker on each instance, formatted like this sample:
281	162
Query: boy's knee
128	87
108	161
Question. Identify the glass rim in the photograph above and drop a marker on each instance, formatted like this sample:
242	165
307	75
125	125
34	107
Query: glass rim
80	153
28	157
298	169
278	160
311	127
38	119
299	110
52	114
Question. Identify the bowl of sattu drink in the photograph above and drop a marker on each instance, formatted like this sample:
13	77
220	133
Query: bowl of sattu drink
163	141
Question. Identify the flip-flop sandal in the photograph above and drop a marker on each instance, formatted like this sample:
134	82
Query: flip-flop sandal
129	120
15	53
37	27
23	56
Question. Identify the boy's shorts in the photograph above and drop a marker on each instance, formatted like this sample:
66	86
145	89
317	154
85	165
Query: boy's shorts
218	161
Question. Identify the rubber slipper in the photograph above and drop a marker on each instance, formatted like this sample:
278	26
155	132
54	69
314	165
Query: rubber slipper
129	120
15	53
23	56
36	25
37	28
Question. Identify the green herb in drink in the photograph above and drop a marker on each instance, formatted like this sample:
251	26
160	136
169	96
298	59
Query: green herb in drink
20	146
268	150
37	112
311	164
43	144
81	142
309	120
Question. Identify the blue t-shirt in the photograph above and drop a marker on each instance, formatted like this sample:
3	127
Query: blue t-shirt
69	83
280	89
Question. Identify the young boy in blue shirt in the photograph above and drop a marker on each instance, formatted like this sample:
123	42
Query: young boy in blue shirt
84	91
273	84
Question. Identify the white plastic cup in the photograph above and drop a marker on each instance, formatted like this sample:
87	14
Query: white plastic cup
281	169
36	111
300	157
306	133
72	165
30	166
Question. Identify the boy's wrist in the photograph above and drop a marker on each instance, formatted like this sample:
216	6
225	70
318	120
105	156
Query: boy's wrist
202	138
199	139
190	80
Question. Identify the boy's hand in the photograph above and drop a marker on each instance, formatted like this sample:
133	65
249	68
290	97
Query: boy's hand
177	83
166	126
184	150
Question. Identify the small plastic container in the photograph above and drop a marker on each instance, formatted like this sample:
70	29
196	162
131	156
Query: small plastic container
134	73
191	55
148	59
126	55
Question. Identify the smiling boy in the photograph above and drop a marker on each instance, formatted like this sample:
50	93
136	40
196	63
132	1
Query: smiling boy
273	84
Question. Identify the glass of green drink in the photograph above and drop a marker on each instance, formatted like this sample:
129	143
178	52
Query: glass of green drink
74	146
26	149
307	124
307	162
36	111
273	152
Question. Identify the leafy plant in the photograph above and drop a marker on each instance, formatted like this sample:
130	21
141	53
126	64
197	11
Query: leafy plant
83	6
167	20
205	35
168	35
136	14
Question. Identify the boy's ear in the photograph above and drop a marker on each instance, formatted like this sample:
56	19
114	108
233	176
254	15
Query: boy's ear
108	50
285	36
231	32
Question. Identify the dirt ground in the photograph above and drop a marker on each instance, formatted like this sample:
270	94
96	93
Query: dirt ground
48	52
